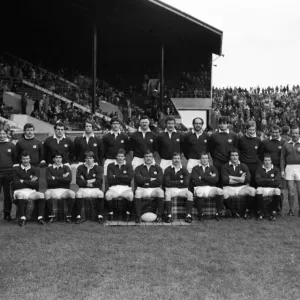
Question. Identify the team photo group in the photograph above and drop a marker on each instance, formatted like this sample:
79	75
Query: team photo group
220	166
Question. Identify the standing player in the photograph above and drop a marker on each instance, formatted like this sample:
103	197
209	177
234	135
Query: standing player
176	182
88	142
58	178
195	142
112	142
273	147
148	178
89	180
204	179
26	186
8	157
249	147
169	142
290	167
235	179
220	143
30	144
268	182
58	142
141	141
119	176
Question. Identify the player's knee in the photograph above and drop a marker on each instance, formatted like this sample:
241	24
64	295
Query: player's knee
277	192
79	195
189	196
168	195
251	192
71	194
219	192
108	196
138	194
160	193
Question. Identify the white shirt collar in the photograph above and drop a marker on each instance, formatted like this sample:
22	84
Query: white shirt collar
140	130
263	166
55	137
115	133
91	135
247	135
25	168
231	164
89	167
291	141
27	138
226	131
123	164
153	164
276	140
194	132
204	166
180	167
57	167
5	141
166	130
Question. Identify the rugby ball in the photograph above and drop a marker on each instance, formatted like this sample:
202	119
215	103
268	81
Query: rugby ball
149	217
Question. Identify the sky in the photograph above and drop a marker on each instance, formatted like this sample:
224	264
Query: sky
261	40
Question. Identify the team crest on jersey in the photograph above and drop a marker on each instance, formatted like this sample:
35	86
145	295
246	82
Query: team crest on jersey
256	147
151	140
205	141
34	146
155	173
279	147
181	176
8	150
66	145
94	175
124	172
177	140
272	175
31	176
230	141
122	141
95	145
241	172
298	149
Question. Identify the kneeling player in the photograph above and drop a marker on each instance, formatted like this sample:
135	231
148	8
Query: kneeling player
119	176
176	182
89	180
268	180
235	180
204	178
148	179
58	178
26	185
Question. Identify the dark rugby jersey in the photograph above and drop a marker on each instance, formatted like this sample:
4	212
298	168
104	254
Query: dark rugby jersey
119	175
194	145
273	148
8	156
83	174
140	144
94	144
33	146
143	175
172	179
290	154
199	177
220	144
51	145
59	181
26	176
229	170
112	143
249	149
166	146
272	178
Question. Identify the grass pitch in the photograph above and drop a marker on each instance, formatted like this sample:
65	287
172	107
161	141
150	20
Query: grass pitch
231	259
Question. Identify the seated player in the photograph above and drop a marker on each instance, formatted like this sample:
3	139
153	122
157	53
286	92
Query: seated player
268	179
119	176
58	178
148	179
204	178
235	179
89	180
26	186
176	182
